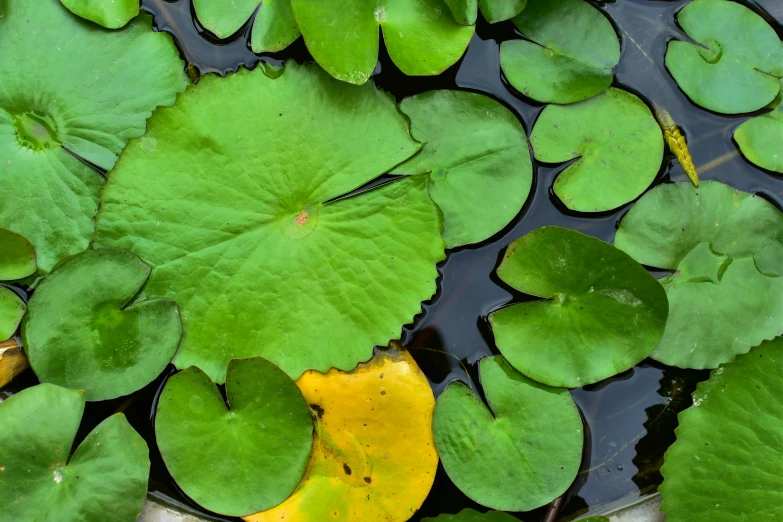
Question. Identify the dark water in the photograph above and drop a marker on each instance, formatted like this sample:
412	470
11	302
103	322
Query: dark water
629	419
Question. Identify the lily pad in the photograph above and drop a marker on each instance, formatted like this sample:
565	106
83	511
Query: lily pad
569	54
615	141
84	330
112	14
89	92
725	245
476	157
17	256
104	479
421	36
273	30
373	456
520	453
736	60
727	462
471	515
12	310
250	456
466	11
761	138
264	256
603	313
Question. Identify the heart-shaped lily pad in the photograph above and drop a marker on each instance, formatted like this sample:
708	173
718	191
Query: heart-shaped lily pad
736	60
727	249
518	454
104	479
274	27
761	138
81	331
12	310
17	256
569	54
471	515
727	462
421	36
264	256
241	459
466	11
603	312
111	14
615	141
477	158
88	93
373	456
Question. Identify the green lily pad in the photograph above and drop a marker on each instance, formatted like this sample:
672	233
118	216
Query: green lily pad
82	332
520	453
259	255
12	310
476	157
89	92
727	461
240	460
104	479
466	11
603	313
421	36
569	54
112	14
17	256
726	294
761	138
471	515
273	30
736	60
615	141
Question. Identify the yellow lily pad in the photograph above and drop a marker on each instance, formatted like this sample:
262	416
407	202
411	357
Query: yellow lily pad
373	455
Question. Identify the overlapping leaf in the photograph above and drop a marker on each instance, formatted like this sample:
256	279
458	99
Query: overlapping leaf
518	454
727	462
12	310
70	86
603	312
569	54
615	141
761	138
727	249
466	11
111	14
259	255
471	515
373	456
17	256
104	479
274	27
735	62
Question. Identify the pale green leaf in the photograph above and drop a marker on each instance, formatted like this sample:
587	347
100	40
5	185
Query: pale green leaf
112	14
761	138
17	256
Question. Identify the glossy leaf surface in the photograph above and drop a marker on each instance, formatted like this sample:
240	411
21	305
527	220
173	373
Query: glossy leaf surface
615	141
12	310
471	515
761	138
111	14
104	479
85	331
274	27
17	256
259	255
602	314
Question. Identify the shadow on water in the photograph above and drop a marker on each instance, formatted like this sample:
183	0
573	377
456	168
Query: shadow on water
630	418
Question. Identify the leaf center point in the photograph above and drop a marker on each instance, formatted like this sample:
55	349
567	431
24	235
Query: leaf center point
36	132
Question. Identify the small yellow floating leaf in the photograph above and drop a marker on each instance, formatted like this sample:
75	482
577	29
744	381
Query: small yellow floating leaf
373	456
676	142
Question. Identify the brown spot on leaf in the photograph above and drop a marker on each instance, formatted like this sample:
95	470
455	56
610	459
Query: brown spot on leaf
346	468
302	219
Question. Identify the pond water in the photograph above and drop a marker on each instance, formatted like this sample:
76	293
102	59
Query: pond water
629	419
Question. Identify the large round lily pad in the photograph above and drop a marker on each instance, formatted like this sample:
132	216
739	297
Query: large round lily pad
617	145
241	459
238	217
761	138
373	456
111	14
736	60
726	246
727	462
421	36
519	453
471	515
12	310
85	331
476	157
602	314
89	92
17	256
569	54
274	27
104	479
